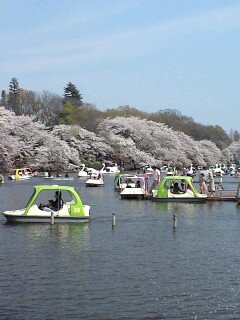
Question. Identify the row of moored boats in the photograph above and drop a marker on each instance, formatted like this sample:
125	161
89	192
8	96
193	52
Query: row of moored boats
68	207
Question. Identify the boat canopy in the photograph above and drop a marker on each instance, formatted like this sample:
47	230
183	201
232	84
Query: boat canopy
168	182
69	195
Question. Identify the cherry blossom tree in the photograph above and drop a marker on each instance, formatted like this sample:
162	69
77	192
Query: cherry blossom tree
32	144
233	152
24	141
89	146
159	143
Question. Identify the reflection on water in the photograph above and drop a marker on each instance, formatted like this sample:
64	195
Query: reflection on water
63	232
74	234
179	208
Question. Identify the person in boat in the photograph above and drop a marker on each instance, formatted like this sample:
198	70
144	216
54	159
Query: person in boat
47	207
66	175
138	184
176	188
236	174
58	202
184	185
53	205
128	181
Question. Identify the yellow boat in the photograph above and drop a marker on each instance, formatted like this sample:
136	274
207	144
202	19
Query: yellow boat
20	174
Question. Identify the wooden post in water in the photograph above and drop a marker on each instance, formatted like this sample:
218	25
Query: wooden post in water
52	217
113	220
174	221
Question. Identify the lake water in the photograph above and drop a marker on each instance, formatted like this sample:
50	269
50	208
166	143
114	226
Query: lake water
143	269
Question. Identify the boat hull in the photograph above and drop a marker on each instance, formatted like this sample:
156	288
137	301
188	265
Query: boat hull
21	178
83	175
132	196
191	200
94	183
63	178
43	219
111	172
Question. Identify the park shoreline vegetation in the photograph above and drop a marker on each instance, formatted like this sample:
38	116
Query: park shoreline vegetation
129	140
45	131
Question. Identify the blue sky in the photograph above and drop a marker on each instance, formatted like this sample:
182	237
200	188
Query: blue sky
149	54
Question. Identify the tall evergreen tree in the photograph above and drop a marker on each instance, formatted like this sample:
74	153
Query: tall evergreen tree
71	93
14	97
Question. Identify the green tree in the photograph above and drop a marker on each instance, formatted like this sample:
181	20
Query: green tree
218	135
124	111
67	115
71	93
236	136
4	98
14	97
88	117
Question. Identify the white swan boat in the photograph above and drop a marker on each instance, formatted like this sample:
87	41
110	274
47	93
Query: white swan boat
218	171
96	177
1	179
191	171
82	173
92	173
95	182
110	169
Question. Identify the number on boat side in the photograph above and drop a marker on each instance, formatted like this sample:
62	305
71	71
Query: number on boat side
76	210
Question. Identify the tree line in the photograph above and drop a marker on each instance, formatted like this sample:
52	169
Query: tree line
69	109
130	141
